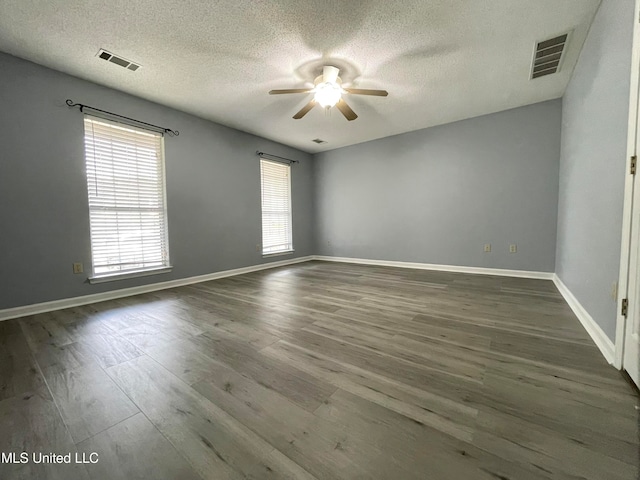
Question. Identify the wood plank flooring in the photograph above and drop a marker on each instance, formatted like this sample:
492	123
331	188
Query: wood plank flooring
318	371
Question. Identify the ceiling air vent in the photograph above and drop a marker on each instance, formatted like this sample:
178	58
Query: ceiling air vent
319	140
548	56
110	57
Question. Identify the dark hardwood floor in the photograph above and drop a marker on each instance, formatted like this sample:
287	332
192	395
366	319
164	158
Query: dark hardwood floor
318	371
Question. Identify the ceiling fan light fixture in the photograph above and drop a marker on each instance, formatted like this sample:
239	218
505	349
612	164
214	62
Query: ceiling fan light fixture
327	94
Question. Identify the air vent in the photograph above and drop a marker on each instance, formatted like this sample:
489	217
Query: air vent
319	140
548	56
110	57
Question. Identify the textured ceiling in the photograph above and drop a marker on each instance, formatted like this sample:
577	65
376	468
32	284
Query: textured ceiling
440	60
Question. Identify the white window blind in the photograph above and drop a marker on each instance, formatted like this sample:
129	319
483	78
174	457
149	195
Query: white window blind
125	179
276	207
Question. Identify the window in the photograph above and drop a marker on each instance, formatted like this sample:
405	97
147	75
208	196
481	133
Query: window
276	207
125	179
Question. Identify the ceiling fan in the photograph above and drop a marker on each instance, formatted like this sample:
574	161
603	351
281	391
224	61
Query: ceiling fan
328	92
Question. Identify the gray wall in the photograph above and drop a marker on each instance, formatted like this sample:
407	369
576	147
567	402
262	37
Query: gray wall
438	195
213	188
593	156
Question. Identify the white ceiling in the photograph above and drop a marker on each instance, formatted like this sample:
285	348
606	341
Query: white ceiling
440	60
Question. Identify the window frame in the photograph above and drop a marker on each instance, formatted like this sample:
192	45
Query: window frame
291	249
166	266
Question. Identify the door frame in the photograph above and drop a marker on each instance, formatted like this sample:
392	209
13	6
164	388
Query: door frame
627	242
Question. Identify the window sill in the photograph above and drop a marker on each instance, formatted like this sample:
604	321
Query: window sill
278	254
112	277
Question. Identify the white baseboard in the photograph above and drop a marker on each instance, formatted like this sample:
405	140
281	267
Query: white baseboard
442	268
600	338
22	311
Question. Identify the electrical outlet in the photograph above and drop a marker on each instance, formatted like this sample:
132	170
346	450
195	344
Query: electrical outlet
78	268
328	243
513	248
258	247
487	247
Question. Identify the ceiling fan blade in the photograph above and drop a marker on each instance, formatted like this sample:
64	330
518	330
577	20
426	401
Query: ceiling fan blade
306	109
290	90
330	74
366	91
346	110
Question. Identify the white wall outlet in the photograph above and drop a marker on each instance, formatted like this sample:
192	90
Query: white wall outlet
487	247
513	248
78	268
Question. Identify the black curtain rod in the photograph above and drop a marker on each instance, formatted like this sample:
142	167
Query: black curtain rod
262	154
82	107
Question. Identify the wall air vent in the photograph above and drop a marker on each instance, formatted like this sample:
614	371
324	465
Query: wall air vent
319	140
548	56
110	57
